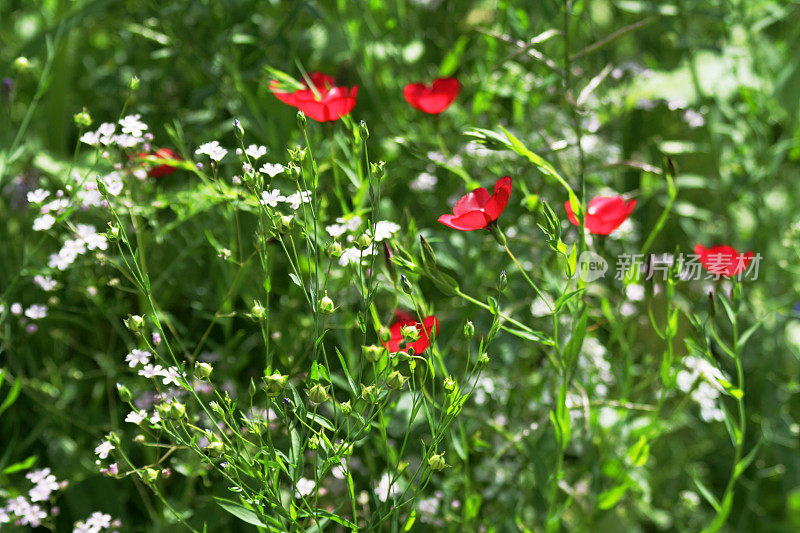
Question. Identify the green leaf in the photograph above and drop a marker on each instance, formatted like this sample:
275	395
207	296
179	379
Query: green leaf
609	498
639	452
22	465
242	513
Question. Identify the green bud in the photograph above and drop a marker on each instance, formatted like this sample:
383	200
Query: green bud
82	119
149	475
334	249
284	223
217	409
378	169
502	281
437	462
274	384
406	285
384	334
313	442
317	394
396	380
258	311
203	370
428	257
363	130
301	119
363	241
469	329
164	411
293	170
124	393
449	384
369	393
297	154
483	360
215	448
410	333
113	438
372	353
326	305
134	323
345	407
178	410
113	232
252	389
22	64
134	84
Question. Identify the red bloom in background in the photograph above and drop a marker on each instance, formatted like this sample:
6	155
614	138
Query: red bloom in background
401	318
162	170
604	214
324	103
723	260
477	209
433	98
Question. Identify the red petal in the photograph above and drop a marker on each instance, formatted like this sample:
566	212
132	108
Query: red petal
472	201
468	222
497	203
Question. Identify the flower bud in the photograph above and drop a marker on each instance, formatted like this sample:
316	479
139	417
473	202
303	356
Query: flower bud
274	384
258	311
428	257
469	329
203	370
297	154
384	334
217	409
215	448
134	84
134	323
369	393
378	169
284	223
334	249
22	64
449	384
410	333
177	410
396	380
326	305
113	232
502	281
317	394
363	131
149	475
406	285
313	442
363	241
345	407
82	119
483	360
301	119
252	389
293	171
164	410
437	462
372	353
124	393
238	130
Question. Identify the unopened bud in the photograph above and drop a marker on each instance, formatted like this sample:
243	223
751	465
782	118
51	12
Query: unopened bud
301	119
134	84
203	370
317	394
334	249
82	119
284	223
326	305
502	281
258	311
238	130
217	409
149	475
406	285
134	322
372	353
396	380
345	407
363	130
378	169
449	384
363	241
214	448
437	462
22	64
410	333
124	393
469	329
274	384
384	334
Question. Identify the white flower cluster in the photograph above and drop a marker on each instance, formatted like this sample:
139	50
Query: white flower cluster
169	376
24	510
132	134
213	150
34	312
96	522
86	238
384	230
707	391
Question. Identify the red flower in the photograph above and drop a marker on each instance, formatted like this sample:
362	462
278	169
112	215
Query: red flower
604	214
477	209
401	319
326	102
723	260
433	98
166	154
322	82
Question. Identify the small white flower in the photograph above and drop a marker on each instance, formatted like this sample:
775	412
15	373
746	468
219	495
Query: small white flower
213	150
256	151
92	138
336	230
89	236
300	197
423	182
150	371
353	256
38	475
44	222
170	375
271	169
385	229
132	125
106	129
16	309
271	198
113	183
57	205
38	196
136	417
36	311
386	489
99	520
33	516
138	357
103	449
156	418
304	487
46	283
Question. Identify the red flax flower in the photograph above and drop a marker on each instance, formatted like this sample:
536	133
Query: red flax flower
477	209
324	102
164	169
433	98
723	260
604	214
396	343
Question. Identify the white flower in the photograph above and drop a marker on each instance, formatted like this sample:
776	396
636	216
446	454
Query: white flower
271	198
36	311
138	357
271	169
33	516
386	489
385	229
304	487
156	418
423	182
43	222
113	183
38	475
300	197
213	150
58	204
42	490
150	371
38	196
106	129
352	256
126	141
99	520
16	308
46	283
352	223
92	138
103	449
132	125
136	417
256	151
93	240
170	375
336	230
